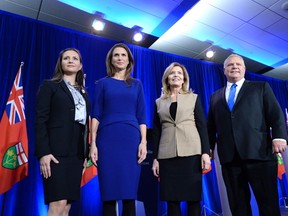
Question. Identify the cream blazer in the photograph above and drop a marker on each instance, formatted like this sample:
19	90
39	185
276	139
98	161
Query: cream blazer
179	137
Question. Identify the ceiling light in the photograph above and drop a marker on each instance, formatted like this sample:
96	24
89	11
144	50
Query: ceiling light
210	54
137	33
98	25
138	36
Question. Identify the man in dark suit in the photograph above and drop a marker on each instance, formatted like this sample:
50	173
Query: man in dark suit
249	128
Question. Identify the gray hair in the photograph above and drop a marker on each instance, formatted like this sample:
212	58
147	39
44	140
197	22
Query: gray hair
233	55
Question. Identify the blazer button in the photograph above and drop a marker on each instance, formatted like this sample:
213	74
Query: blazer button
174	125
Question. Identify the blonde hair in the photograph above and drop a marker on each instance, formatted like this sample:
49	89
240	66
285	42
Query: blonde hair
165	85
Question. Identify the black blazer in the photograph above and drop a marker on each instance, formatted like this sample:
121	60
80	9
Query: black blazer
55	113
247	127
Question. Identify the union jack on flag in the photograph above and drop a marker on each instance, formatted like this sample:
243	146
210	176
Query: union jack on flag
15	104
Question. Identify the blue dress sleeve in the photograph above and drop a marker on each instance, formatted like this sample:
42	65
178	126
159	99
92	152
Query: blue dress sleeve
97	104
141	107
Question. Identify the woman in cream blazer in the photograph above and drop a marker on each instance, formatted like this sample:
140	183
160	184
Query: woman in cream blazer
181	142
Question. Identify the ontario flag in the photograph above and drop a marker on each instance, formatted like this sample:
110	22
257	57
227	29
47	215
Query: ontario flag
13	138
208	170
90	170
281	167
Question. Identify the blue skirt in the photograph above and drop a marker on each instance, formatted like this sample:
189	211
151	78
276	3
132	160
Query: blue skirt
118	170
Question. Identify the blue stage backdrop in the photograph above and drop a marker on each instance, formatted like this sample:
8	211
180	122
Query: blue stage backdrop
38	45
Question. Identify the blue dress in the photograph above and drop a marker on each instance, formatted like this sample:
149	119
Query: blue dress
120	109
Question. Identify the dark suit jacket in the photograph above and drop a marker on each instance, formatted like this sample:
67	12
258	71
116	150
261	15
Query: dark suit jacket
54	123
247	127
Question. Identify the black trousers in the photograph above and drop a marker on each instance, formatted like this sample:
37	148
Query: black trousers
193	208
262	178
129	208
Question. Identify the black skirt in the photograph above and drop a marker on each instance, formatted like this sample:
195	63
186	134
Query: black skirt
65	180
181	179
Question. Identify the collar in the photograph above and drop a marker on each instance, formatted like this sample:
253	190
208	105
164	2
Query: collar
239	83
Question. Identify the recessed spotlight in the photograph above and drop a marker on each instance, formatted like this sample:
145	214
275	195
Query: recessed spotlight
98	22
98	25
210	54
138	36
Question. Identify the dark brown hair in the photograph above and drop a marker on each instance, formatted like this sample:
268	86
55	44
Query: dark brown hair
111	70
59	73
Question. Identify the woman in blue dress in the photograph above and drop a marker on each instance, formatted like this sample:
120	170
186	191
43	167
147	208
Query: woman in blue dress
118	143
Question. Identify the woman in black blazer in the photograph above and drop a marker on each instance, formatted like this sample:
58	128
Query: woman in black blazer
61	125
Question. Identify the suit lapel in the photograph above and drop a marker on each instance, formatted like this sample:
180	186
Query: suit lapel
223	98
66	90
179	112
166	103
242	92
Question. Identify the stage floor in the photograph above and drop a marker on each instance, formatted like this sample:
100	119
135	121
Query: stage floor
284	211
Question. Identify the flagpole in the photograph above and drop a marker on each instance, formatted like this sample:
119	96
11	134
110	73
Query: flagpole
283	198
205	208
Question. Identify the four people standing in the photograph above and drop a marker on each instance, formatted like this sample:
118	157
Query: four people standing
244	120
62	112
181	142
246	150
118	132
